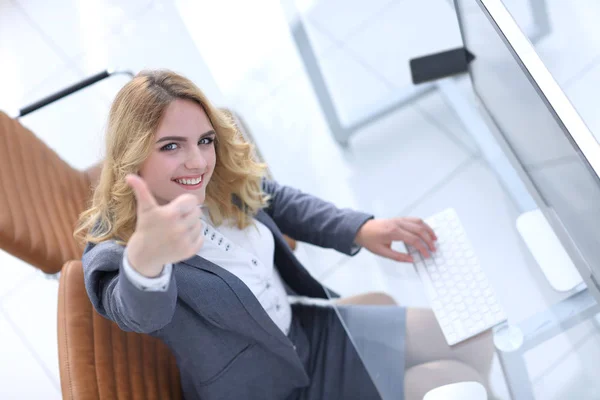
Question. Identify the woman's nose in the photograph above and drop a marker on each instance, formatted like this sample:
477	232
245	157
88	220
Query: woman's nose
195	160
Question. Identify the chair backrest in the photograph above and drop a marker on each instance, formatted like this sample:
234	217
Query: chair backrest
98	360
41	199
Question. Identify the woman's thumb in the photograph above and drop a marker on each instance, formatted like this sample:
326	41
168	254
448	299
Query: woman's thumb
145	199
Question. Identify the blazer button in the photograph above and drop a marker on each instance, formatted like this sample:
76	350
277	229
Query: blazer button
254	262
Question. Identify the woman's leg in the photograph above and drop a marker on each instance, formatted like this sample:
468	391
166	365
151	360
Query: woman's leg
420	379
426	346
425	343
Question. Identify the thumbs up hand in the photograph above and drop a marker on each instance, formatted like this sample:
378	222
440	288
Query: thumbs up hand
163	234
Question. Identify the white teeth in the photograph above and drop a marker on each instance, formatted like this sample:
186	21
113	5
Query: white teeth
189	181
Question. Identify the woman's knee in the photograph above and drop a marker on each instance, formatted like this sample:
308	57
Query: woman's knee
425	342
478	351
422	378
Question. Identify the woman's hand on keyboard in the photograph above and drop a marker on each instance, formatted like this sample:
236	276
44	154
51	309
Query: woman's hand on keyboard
377	236
163	234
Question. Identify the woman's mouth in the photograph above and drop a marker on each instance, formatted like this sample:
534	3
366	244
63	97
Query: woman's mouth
190	183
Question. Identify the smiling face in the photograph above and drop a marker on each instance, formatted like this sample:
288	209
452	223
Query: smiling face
183	155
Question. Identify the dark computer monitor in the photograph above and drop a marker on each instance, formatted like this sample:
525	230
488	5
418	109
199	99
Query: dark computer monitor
544	137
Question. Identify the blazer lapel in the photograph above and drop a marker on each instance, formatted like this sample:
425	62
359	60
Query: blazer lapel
247	298
269	223
292	272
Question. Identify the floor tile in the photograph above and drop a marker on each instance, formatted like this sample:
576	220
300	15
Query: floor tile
147	43
33	309
14	272
417	157
436	109
405	39
353	86
322	42
350	16
355	276
25	378
573	45
584	100
83	25
312	160
25	62
318	260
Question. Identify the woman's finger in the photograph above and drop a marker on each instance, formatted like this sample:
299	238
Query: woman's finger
387	252
192	222
420	222
411	239
422	232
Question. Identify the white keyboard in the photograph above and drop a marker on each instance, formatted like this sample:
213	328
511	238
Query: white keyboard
458	290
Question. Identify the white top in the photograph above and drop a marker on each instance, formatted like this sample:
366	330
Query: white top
246	253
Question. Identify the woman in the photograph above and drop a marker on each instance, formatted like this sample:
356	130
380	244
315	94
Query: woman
185	243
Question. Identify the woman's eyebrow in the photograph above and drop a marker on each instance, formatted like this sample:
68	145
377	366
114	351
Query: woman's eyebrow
183	138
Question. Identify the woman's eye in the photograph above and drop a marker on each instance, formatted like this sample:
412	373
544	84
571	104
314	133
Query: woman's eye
169	147
207	140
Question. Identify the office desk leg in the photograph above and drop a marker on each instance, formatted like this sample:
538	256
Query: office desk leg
515	373
541	327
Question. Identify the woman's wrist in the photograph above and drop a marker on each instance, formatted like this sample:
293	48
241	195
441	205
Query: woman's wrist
139	263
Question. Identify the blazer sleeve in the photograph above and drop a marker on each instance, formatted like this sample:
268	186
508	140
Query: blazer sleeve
115	297
310	219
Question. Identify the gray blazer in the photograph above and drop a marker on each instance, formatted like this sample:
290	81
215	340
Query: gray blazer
225	344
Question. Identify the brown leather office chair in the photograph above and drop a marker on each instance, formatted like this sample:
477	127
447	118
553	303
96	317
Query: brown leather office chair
41	199
98	360
40	202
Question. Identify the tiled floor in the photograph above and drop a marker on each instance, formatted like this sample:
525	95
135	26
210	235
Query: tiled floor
417	160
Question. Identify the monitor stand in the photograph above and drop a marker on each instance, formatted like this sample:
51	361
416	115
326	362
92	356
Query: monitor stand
547	250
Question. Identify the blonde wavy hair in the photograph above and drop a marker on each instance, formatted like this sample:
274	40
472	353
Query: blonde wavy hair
133	121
